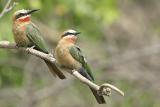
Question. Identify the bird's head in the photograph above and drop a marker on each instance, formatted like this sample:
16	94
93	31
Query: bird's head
23	15
70	35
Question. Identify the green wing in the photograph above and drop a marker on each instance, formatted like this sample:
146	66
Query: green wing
35	36
78	55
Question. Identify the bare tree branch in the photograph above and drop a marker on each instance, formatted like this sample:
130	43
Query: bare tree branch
104	89
8	45
7	7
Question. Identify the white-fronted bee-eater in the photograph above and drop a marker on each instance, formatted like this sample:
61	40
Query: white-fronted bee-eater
70	56
27	34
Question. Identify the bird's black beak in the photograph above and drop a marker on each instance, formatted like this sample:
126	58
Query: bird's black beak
32	11
77	33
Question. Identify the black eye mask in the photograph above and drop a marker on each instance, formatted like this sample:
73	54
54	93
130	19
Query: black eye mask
20	15
68	33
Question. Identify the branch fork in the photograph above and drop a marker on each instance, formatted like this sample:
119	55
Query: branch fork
8	7
104	89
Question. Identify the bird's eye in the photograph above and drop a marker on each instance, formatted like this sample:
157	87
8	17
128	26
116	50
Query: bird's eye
20	15
68	33
65	34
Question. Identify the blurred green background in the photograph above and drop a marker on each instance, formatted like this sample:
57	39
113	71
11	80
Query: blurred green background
120	39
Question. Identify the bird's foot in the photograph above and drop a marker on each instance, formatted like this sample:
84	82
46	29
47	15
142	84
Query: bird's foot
16	46
29	48
105	89
50	54
32	47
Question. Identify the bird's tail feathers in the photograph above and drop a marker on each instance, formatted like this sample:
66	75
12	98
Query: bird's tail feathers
83	72
100	99
88	70
55	70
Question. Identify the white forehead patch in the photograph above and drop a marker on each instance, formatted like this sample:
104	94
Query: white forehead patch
20	11
70	31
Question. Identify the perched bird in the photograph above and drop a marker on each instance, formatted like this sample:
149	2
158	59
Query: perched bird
70	56
26	34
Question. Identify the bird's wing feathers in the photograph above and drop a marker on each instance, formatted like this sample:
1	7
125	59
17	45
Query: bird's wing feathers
35	36
77	54
85	71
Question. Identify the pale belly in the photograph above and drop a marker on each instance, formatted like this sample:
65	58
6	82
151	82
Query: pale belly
64	59
20	38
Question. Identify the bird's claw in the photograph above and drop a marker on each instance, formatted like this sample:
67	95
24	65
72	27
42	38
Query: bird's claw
105	89
32	46
50	55
28	49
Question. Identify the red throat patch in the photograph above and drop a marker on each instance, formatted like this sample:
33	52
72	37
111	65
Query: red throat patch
26	19
71	39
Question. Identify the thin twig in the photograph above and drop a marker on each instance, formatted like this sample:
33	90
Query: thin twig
7	7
